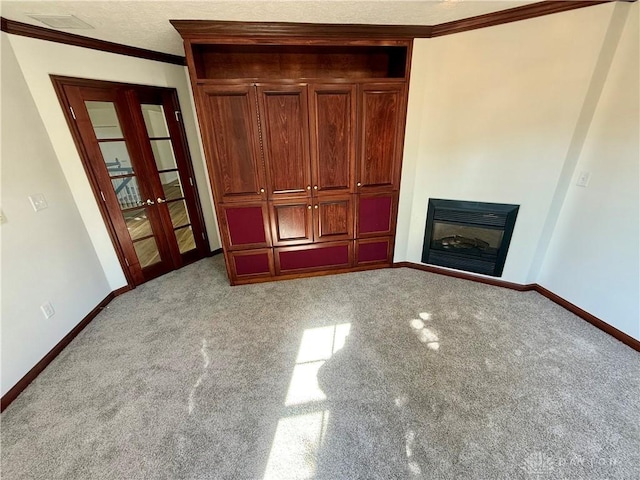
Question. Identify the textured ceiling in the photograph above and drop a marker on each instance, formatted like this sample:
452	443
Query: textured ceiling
145	23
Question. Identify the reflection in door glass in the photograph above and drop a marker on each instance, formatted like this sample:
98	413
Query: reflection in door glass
186	242
127	191
104	119
171	185
179	215
116	158
147	251
163	153
137	223
154	120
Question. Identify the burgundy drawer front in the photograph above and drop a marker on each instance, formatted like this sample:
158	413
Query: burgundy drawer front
252	264
373	251
246	225
313	258
375	214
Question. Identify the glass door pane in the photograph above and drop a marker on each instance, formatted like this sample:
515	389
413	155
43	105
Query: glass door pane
117	159
169	174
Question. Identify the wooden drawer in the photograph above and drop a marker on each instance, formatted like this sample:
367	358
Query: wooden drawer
251	263
374	250
314	257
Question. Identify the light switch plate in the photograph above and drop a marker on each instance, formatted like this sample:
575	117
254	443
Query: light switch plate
47	310
38	202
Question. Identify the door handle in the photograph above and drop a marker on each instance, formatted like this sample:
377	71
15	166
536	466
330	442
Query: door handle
160	200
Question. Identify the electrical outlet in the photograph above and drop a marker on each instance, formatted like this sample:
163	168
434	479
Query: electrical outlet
47	310
583	179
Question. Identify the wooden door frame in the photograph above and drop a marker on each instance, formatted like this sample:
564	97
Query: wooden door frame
59	82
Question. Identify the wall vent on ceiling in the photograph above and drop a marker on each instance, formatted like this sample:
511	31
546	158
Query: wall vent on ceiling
61	21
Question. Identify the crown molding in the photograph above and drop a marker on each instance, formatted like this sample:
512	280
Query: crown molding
207	29
510	15
195	29
26	30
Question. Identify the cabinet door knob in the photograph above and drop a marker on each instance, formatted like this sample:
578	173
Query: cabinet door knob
308	187
150	202
359	184
262	190
309	207
315	187
160	200
316	207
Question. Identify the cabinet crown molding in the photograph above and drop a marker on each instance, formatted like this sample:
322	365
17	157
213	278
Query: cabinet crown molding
287	32
208	29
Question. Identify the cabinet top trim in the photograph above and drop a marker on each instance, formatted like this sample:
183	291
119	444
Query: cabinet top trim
207	29
261	31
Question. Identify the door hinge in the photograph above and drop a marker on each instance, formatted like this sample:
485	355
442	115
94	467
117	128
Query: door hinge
177	114
191	181
102	195
73	114
203	237
127	262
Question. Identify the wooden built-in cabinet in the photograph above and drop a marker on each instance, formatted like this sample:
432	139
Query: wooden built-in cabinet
303	141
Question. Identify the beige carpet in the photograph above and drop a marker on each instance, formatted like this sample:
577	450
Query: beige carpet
388	374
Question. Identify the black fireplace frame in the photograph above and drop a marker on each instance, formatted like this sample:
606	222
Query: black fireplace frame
495	216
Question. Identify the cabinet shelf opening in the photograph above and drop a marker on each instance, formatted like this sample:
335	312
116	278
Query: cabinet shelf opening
225	61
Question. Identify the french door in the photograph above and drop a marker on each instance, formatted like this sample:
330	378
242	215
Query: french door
134	150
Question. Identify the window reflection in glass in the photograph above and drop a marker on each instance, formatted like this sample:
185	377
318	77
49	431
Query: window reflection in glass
116	158
186	241
163	154
104	119
171	185
155	121
147	251
127	192
137	223
179	215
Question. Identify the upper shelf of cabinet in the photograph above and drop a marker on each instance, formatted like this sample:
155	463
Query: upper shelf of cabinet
238	61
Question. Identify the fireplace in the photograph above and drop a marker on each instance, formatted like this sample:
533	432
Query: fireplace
469	236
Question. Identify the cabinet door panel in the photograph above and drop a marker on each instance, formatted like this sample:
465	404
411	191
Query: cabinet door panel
316	257
333	141
376	214
291	222
231	139
333	218
285	134
374	250
382	131
245	226
251	263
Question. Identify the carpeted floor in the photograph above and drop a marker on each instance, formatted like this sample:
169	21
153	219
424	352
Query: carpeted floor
387	374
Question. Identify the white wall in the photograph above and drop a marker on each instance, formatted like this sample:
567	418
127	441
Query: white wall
46	256
593	259
38	59
491	116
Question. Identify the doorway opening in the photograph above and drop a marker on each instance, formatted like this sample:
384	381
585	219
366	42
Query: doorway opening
133	148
